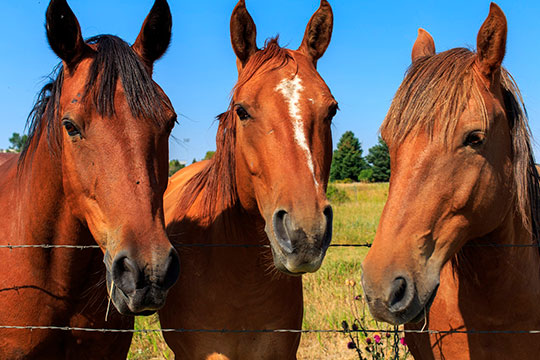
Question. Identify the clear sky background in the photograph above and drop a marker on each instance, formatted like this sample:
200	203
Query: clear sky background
364	65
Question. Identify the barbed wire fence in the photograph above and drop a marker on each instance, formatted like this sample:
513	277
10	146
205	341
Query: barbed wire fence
346	330
82	247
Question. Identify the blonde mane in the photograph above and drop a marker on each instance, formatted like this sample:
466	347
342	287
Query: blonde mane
436	91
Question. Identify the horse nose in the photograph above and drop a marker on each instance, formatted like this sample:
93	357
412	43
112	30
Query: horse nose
300	241
128	276
290	234
329	217
283	230
400	294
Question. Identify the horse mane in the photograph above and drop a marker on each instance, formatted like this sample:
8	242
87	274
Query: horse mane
216	182
436	91
113	60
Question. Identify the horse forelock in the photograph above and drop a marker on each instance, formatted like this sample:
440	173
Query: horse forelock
270	57
434	94
114	61
435	89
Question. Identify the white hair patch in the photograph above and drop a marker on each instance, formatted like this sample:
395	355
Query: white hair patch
291	89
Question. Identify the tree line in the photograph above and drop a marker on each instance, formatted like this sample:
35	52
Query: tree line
17	142
348	164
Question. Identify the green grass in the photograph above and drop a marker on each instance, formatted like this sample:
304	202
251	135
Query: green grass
148	346
356	220
329	294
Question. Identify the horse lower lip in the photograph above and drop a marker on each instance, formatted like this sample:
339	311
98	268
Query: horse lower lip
286	271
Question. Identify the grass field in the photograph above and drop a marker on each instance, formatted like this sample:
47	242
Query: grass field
329	293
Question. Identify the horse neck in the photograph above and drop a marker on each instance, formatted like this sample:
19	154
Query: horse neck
202	209
250	266
46	217
506	275
42	216
236	224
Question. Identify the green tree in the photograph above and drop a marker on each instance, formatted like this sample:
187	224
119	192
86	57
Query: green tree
366	175
379	158
174	166
347	161
209	155
17	141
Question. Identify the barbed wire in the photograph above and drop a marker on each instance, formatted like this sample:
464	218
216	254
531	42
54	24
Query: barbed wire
82	247
50	246
303	331
336	331
233	331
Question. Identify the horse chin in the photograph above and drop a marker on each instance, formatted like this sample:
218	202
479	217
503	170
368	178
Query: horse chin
287	264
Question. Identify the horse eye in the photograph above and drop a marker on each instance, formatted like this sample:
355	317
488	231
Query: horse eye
170	125
332	111
242	113
475	138
70	128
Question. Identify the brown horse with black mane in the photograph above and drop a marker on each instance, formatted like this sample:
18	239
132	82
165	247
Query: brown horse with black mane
265	185
94	170
459	231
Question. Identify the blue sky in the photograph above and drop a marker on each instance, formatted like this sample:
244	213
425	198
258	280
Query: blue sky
364	65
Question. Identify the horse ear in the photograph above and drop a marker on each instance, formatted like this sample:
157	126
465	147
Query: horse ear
491	42
155	35
318	32
64	33
243	34
423	46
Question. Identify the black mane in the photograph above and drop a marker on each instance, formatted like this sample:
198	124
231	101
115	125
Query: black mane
114	60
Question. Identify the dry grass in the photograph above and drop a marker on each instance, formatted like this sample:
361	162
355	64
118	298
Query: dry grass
329	293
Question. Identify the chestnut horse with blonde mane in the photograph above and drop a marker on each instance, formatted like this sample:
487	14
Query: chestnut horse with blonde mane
459	231
265	185
94	171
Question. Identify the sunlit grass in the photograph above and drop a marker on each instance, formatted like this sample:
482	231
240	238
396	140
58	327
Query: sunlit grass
148	346
329	293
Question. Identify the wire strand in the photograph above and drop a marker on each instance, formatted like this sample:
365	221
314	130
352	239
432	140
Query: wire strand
81	247
220	331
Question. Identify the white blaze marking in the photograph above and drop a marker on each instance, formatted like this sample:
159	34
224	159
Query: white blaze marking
290	89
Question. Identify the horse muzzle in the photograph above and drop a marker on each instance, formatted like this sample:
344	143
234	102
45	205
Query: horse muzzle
141	289
398	301
299	248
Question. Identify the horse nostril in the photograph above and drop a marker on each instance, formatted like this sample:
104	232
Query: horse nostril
281	222
172	270
125	273
329	216
399	299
